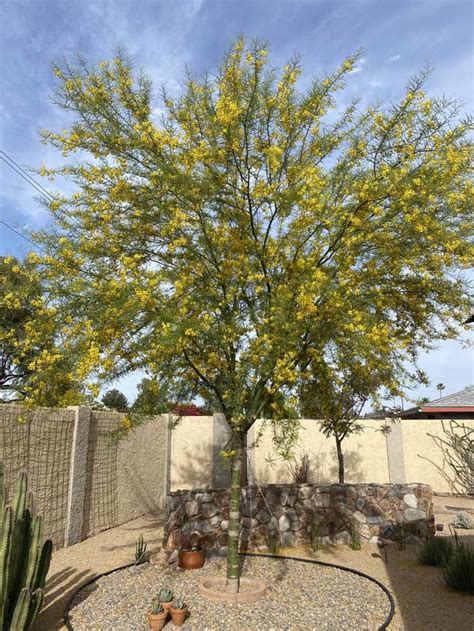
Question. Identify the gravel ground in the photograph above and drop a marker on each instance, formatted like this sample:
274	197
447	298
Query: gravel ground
422	601
300	596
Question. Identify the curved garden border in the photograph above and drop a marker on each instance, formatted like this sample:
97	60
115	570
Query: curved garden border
246	554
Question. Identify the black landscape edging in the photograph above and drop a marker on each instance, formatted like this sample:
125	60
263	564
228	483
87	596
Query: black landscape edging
249	554
86	584
337	567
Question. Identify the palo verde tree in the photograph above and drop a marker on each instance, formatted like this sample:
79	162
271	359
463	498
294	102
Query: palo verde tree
31	359
222	243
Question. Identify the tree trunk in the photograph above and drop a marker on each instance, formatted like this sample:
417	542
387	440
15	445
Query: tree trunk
340	459
233	573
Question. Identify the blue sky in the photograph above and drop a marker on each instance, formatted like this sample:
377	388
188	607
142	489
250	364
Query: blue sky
165	36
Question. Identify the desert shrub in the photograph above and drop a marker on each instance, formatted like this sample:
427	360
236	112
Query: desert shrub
436	551
355	543
458	572
463	521
140	550
300	469
273	541
318	531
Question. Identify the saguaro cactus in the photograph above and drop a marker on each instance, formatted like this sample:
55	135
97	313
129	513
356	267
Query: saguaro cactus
24	559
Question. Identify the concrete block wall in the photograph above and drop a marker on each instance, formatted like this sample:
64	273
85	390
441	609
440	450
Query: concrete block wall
84	482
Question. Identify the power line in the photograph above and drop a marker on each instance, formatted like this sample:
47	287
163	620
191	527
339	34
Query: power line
73	267
23	237
24	177
31	180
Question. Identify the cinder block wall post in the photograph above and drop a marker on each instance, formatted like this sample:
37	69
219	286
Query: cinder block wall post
395	453
77	476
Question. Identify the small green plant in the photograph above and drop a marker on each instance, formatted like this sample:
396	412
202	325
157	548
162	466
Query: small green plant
300	469
458	572
436	551
400	536
355	537
317	534
455	537
156	607
463	521
140	550
273	541
179	603
165	595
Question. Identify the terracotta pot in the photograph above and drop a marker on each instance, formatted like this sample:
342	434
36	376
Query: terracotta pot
157	620
167	606
178	616
191	559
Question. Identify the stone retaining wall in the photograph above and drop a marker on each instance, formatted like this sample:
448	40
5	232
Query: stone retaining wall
290	512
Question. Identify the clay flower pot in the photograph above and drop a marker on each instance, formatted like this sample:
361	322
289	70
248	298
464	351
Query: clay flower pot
191	559
157	620
178	616
167	606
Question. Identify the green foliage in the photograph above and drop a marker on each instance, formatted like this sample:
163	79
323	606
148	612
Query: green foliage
459	570
30	357
165	595
355	543
463	521
151	400
273	540
140	549
318	531
24	560
156	607
399	535
179	603
300	469
336	394
436	551
115	400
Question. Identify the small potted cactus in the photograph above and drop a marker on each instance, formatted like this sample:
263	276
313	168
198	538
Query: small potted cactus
165	597
191	554
178	611
157	615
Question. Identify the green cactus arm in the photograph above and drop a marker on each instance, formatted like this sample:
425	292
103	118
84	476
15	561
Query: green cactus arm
27	608
2	486
19	553
20	495
21	611
36	602
43	565
5	540
31	567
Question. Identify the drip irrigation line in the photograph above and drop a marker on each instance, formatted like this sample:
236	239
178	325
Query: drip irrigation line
382	627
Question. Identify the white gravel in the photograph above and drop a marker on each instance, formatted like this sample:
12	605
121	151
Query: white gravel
300	596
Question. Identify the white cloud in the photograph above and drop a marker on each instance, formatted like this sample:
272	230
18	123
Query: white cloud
392	59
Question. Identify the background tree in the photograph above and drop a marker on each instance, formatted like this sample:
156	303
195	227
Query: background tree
149	400
224	244
422	401
440	387
338	391
115	400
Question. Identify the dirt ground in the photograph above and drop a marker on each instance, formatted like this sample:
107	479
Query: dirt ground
421	600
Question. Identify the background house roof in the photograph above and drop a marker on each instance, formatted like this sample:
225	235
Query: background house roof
464	399
460	403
